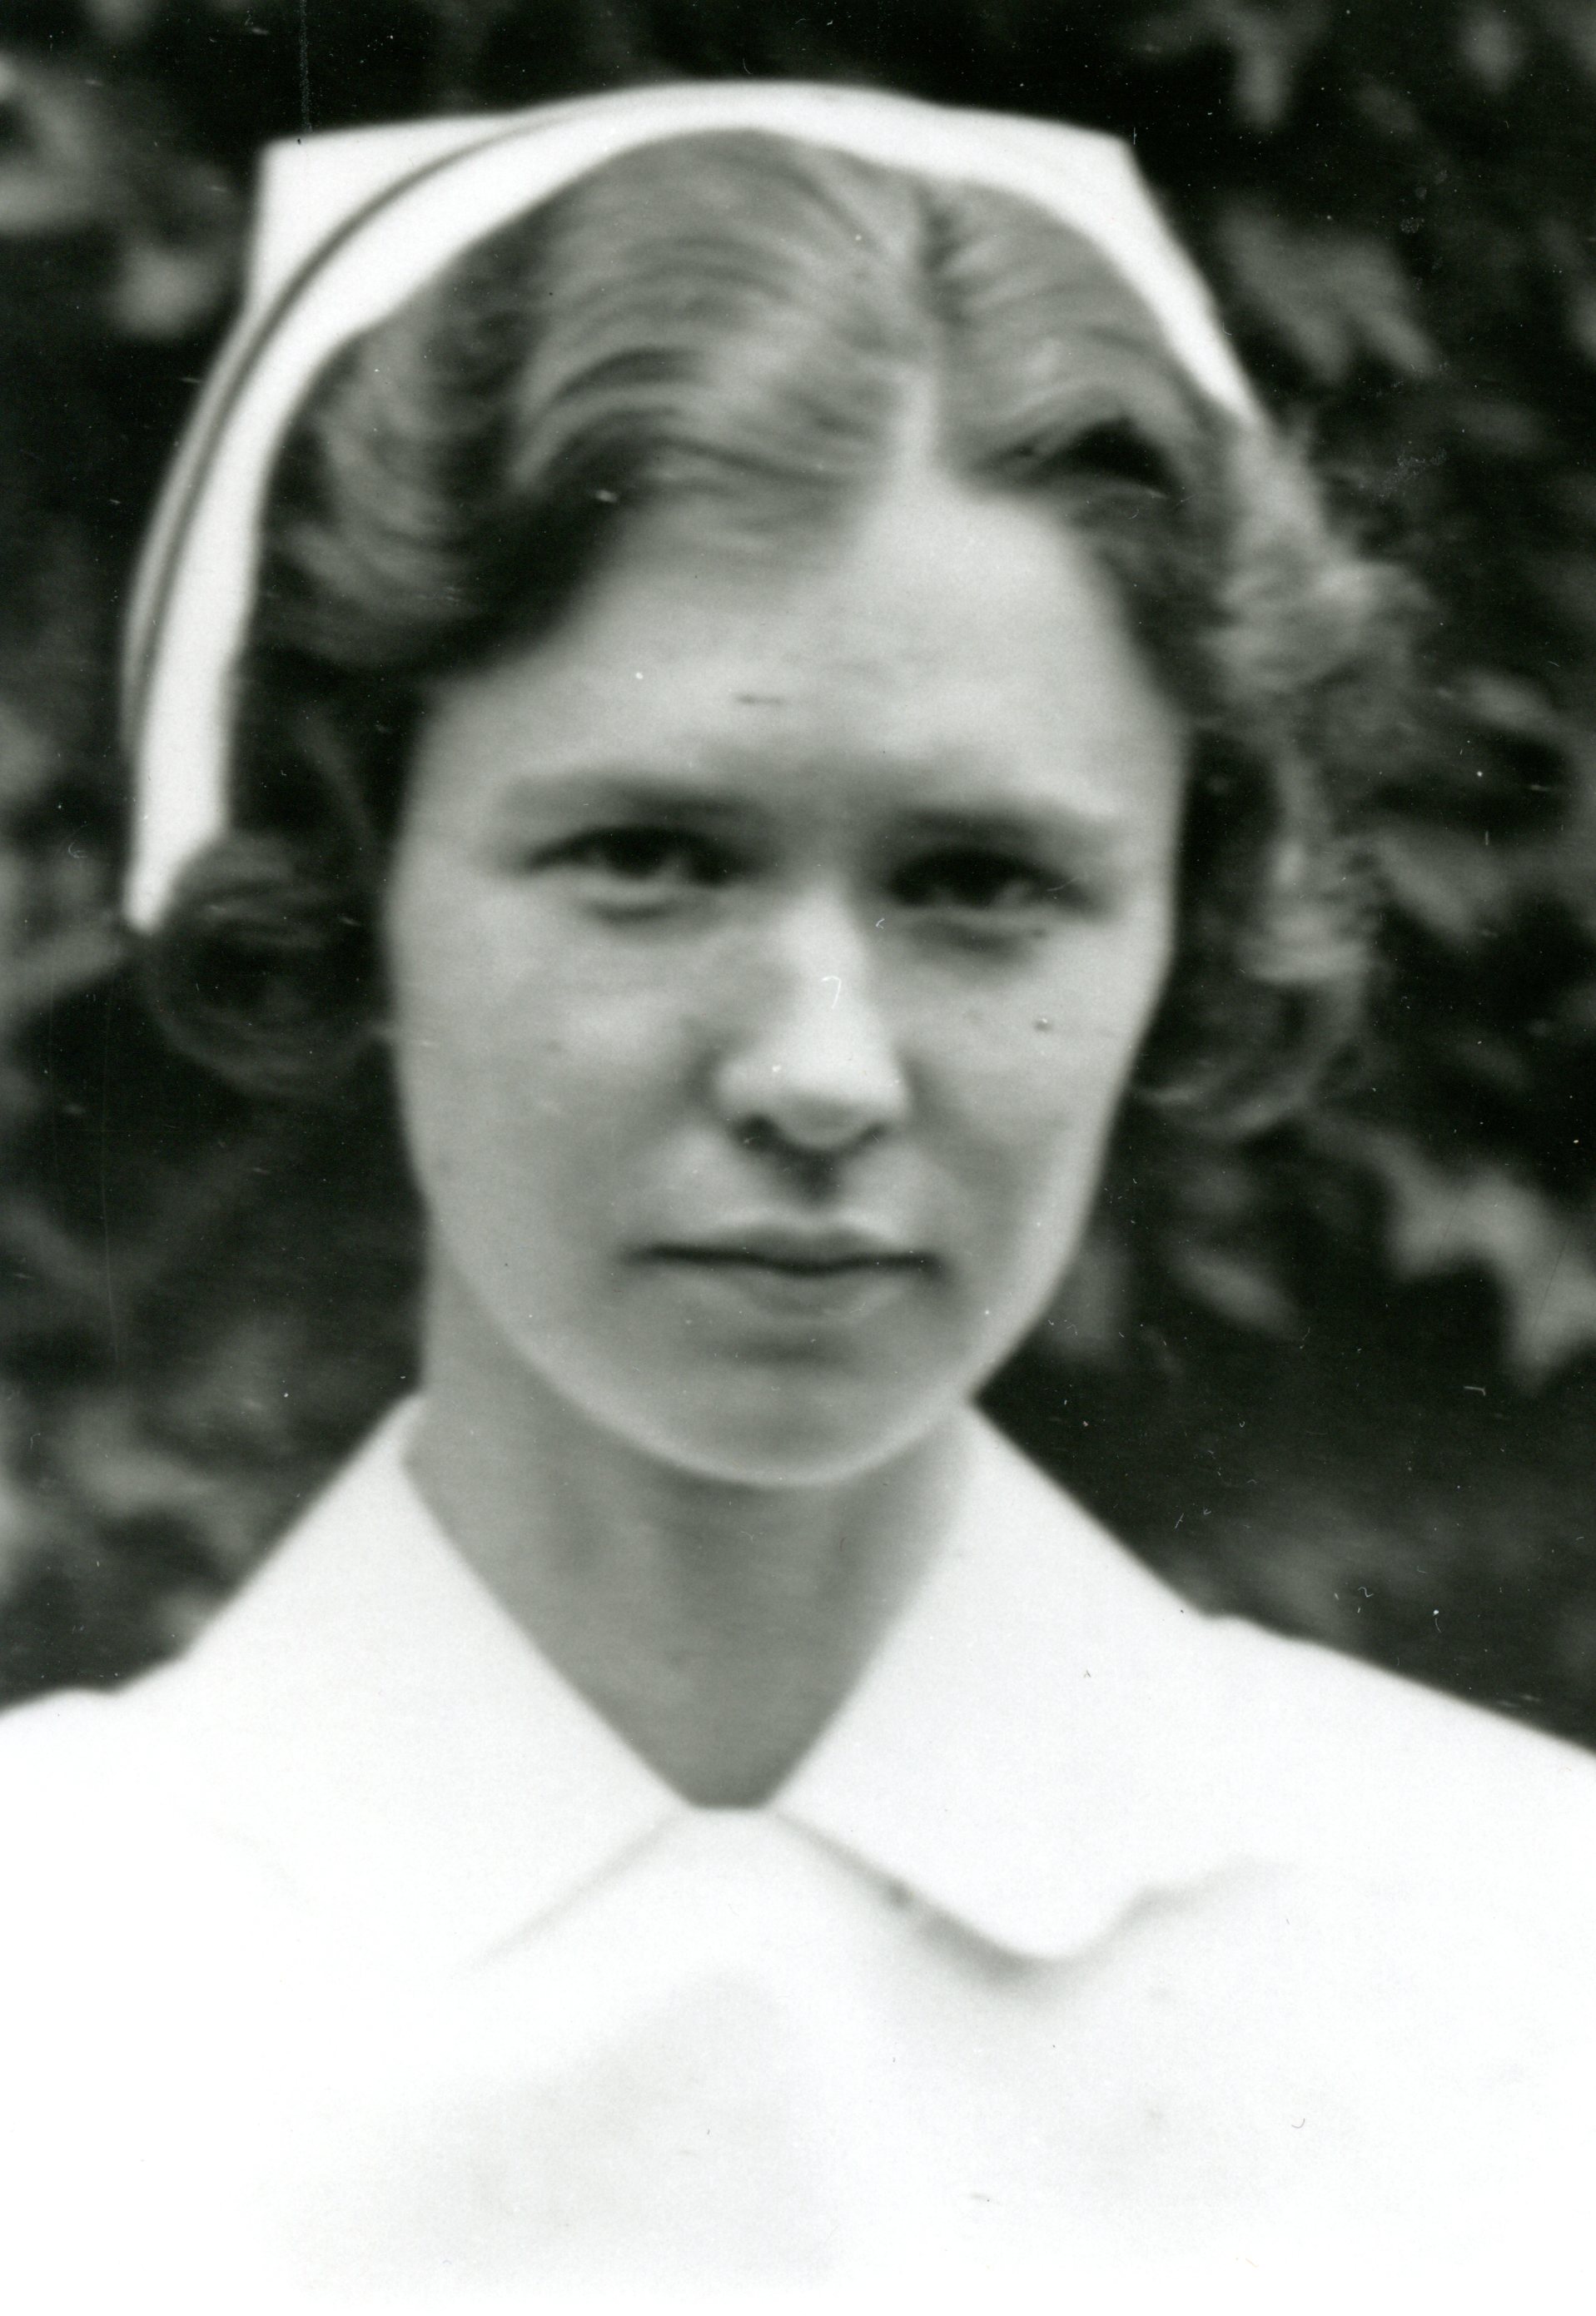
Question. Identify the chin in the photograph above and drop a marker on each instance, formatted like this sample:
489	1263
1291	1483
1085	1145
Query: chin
791	1438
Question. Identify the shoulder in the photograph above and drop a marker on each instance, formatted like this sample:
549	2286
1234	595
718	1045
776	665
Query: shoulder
1298	1750
1253	1742
1376	1757
116	1860
152	1972
1436	1862
1412	1918
66	1771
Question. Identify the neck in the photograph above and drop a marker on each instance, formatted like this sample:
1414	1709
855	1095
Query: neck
716	1626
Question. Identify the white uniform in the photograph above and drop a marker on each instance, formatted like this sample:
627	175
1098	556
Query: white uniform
354	1962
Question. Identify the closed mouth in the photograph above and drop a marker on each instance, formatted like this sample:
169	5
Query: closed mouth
786	1264
786	1282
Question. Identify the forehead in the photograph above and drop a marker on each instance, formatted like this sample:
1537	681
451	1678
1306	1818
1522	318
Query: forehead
943	634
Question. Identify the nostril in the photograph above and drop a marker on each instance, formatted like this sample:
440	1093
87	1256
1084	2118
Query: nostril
811	1168
810	1052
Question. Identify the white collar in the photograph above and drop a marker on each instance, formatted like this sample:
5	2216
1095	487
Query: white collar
1040	1741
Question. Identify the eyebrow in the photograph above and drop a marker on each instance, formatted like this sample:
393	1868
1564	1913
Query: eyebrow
1093	836
604	789
1024	819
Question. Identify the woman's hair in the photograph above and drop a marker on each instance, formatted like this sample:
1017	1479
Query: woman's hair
749	320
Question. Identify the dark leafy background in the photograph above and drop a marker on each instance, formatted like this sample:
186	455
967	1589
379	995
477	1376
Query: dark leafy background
1349	1388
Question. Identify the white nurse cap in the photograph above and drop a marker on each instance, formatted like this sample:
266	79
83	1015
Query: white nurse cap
350	224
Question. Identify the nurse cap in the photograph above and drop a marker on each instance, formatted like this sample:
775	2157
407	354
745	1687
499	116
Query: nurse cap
350	224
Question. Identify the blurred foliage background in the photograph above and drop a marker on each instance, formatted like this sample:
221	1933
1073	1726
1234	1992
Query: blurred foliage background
1349	1388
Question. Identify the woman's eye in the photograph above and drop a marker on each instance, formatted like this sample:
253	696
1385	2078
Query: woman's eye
970	881
640	862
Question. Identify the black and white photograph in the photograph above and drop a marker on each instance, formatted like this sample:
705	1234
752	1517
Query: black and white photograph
797	1155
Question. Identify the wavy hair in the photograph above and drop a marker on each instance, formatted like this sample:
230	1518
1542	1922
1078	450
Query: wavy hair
747	319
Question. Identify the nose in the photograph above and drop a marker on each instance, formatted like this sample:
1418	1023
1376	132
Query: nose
812	1062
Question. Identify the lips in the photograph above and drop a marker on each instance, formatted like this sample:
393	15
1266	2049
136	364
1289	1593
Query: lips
805	1254
835	1273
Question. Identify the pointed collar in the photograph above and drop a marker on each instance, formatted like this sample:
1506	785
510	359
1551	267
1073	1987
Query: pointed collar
1039	1742
1042	1739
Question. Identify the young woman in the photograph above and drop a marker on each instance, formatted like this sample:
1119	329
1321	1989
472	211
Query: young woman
746	654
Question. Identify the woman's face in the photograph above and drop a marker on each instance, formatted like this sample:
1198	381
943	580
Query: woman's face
770	943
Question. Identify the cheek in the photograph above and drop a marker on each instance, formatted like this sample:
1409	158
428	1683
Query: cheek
523	1071
1046	1064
